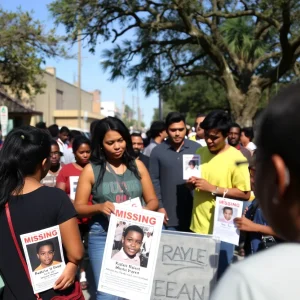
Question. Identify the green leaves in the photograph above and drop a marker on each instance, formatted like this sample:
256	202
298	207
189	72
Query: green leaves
24	46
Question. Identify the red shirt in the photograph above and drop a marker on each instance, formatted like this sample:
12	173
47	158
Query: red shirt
64	175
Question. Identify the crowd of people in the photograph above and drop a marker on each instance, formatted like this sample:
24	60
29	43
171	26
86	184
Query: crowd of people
90	175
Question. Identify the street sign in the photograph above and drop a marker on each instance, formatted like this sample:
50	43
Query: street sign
3	115
3	119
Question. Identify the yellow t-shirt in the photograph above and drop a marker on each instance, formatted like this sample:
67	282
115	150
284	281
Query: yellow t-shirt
219	170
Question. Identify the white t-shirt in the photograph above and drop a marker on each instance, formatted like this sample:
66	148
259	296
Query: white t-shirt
272	274
251	146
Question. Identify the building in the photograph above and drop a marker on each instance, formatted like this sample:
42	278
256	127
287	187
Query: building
109	109
18	113
60	103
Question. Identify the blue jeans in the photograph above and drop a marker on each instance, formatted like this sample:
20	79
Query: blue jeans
97	239
225	258
171	228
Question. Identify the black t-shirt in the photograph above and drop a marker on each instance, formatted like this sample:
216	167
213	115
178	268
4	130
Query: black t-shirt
40	209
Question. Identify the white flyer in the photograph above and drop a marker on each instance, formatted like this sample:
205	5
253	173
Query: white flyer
73	186
134	202
44	256
226	211
130	253
191	166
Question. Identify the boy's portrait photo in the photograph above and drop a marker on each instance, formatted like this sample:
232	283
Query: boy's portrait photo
227	214
44	254
132	245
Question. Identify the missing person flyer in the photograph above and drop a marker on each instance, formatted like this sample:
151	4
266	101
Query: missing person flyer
191	166
130	253
44	257
226	211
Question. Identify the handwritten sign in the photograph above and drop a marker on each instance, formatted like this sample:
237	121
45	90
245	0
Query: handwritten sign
186	267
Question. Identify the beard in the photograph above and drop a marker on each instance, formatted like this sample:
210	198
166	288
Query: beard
136	152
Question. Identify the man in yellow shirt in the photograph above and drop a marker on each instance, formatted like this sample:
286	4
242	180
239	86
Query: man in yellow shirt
221	172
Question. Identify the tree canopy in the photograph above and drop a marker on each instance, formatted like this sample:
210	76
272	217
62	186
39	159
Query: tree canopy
244	45
24	46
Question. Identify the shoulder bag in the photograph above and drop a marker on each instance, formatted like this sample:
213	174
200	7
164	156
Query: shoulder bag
76	294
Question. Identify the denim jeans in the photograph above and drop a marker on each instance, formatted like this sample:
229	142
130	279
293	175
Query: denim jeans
170	228
225	258
97	239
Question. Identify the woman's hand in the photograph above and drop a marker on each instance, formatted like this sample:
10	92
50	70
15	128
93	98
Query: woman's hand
67	277
245	224
106	208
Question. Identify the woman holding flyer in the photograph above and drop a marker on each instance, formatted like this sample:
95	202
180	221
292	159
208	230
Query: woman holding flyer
67	181
27	207
114	176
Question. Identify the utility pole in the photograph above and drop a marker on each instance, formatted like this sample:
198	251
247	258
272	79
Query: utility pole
160	100
123	104
138	110
133	110
79	78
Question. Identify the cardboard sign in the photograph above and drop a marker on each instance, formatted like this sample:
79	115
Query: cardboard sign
186	266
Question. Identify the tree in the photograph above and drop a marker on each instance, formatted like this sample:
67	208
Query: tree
195	95
24	46
244	45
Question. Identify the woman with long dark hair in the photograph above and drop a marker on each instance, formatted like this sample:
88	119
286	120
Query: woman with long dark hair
24	161
114	176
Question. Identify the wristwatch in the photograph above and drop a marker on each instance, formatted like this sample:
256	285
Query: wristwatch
216	191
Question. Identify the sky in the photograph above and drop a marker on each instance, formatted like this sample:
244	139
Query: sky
92	75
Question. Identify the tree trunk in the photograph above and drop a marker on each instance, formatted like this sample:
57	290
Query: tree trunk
244	105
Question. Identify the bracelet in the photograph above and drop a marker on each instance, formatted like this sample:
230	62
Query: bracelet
216	191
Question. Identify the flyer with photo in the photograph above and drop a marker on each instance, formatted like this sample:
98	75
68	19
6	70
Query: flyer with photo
73	186
191	166
130	253
44	256
226	211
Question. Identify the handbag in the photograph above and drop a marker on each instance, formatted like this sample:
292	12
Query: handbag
76	293
266	241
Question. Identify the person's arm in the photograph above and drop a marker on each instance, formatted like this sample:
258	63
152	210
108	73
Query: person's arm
74	250
148	189
83	193
244	224
205	186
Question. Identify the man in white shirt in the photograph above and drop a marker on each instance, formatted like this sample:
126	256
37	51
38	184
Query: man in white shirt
62	141
199	136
